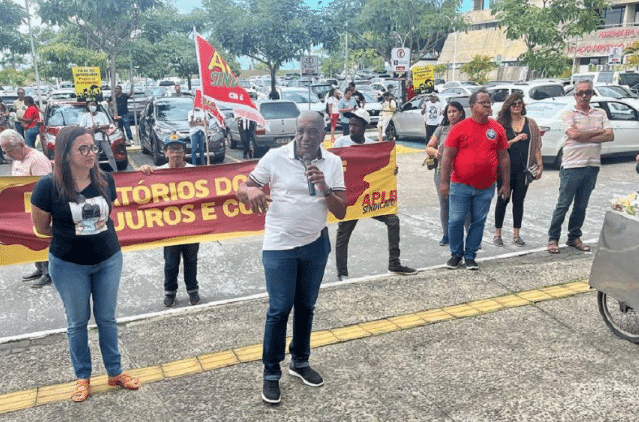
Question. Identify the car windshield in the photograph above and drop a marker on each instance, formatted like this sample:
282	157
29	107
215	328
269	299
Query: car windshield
245	84
543	110
549	91
615	92
300	96
272	111
63	95
368	98
321	90
66	114
630	79
173	111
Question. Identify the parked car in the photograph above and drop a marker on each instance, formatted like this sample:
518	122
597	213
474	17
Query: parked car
303	100
612	91
155	91
624	119
281	116
630	79
248	88
62	94
164	115
8	98
59	114
321	90
408	122
136	103
455	84
460	90
532	91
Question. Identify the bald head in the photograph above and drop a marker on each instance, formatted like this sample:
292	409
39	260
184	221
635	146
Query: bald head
312	117
309	133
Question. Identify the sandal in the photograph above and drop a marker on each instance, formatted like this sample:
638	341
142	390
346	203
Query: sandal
519	241
497	240
579	245
81	391
553	247
126	381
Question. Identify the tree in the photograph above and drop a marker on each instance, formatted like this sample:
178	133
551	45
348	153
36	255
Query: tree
477	69
381	25
108	25
547	28
272	32
58	59
440	69
12	16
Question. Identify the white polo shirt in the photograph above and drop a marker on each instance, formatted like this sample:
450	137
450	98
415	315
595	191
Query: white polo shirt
295	218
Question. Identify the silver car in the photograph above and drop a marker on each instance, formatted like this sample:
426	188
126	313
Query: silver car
280	116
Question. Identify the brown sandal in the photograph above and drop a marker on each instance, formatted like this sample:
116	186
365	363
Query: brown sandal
579	245
81	391
553	247
126	381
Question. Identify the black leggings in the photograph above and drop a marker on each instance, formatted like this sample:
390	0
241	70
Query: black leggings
518	189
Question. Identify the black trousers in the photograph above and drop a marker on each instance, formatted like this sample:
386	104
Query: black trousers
172	256
518	190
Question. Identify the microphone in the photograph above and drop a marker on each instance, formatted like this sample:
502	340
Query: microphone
306	159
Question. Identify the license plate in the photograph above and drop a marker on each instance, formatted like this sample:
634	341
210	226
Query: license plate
282	140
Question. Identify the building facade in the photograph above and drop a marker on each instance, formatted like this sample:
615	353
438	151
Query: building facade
619	29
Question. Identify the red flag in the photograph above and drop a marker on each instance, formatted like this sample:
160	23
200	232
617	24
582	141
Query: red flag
220	84
209	106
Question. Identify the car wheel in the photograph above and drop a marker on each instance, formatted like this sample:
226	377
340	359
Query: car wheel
231	143
158	157
391	132
258	152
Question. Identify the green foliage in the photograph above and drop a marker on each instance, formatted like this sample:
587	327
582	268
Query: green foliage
12	16
12	77
478	68
58	59
440	69
270	31
546	28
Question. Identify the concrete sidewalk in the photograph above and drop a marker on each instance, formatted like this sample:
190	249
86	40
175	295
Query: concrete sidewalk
499	344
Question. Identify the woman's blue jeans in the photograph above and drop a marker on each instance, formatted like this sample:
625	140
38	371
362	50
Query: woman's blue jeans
293	279
462	200
30	136
197	147
77	285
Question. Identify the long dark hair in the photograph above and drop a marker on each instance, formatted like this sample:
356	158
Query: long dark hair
458	106
504	117
62	178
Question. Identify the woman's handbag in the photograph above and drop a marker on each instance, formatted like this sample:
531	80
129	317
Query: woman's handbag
430	163
530	170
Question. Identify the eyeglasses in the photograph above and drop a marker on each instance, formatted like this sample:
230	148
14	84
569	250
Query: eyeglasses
485	103
174	148
517	104
587	92
85	149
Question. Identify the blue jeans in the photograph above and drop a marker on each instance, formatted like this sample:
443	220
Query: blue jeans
172	256
19	128
125	124
293	278
30	136
346	128
575	184
77	285
462	200
197	147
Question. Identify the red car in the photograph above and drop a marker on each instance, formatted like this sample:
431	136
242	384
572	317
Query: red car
67	113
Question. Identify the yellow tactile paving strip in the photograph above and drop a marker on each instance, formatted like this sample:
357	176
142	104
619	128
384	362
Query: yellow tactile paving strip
58	392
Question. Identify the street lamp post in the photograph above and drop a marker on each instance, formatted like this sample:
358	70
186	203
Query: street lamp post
455	45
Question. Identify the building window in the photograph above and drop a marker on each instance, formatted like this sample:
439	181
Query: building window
613	17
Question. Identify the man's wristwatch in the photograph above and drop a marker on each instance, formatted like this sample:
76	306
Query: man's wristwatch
329	192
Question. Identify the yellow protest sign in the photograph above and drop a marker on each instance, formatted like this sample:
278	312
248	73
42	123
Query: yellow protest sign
88	83
424	79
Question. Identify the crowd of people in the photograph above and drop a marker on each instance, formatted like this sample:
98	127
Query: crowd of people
476	158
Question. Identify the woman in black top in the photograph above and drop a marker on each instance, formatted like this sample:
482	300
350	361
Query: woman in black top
72	205
523	136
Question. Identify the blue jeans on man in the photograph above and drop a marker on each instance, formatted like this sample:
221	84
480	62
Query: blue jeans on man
293	279
575	184
77	286
124	123
172	256
19	128
465	199
197	147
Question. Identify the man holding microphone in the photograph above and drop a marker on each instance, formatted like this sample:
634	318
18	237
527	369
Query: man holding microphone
306	182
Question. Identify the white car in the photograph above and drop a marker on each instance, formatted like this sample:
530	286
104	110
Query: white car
620	92
304	100
532	91
455	84
456	91
624	119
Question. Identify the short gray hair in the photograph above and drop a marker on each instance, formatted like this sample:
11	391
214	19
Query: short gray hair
584	81
11	136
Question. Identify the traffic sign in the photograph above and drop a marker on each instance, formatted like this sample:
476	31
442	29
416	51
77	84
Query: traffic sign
400	59
614	55
309	66
498	59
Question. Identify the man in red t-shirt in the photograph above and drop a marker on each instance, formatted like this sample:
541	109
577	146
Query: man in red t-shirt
474	149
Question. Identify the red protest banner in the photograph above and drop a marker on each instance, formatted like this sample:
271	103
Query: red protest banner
220	85
194	204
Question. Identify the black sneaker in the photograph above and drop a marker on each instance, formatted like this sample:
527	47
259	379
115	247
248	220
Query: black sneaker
169	300
194	298
454	262
306	374
401	269
32	276
342	278
41	282
471	264
271	392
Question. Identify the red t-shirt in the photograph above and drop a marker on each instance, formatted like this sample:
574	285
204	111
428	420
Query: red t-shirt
31	113
477	144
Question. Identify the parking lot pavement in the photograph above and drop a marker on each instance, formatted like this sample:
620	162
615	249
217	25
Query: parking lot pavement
519	340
